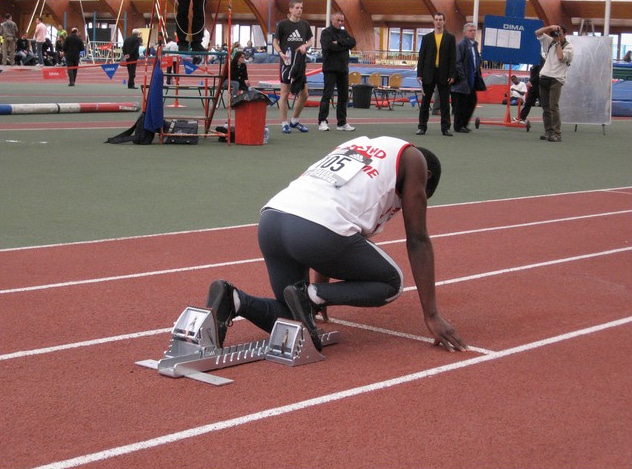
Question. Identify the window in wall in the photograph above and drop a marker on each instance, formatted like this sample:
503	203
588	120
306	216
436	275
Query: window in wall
420	35
615	45
626	44
408	36
394	39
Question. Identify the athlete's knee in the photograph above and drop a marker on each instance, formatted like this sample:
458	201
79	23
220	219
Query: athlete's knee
396	284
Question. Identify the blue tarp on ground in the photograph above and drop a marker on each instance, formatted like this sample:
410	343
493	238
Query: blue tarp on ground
622	98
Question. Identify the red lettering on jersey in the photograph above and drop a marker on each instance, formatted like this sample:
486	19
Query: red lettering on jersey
369	151
371	171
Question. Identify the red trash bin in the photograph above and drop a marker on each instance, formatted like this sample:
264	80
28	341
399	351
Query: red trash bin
250	122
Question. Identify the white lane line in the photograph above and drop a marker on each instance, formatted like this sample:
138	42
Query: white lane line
404	335
325	399
406	289
85	343
246	261
204	230
129	276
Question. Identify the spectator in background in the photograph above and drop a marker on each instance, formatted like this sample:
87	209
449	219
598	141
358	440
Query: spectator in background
59	49
468	68
238	73
533	93
131	54
436	67
170	46
40	39
9	33
628	56
336	43
61	32
24	54
73	46
48	51
558	57
517	91
249	50
291	41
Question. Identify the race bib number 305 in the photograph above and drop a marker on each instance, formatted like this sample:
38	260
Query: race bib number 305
338	167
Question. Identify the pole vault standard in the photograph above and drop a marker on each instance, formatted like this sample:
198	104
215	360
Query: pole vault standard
67	108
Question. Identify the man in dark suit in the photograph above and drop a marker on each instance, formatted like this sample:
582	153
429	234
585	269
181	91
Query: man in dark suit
436	67
468	67
131	54
73	46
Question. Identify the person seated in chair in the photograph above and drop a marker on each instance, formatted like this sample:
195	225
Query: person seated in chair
23	54
238	74
517	91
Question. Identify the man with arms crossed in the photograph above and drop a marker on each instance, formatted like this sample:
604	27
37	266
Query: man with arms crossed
336	43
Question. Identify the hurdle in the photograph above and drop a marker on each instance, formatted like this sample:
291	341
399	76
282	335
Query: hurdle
67	108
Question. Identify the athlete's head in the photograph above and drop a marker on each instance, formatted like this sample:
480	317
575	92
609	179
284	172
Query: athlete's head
434	168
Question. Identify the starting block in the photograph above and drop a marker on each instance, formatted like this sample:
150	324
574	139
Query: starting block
193	348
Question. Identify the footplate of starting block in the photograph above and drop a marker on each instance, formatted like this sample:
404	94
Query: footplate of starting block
290	344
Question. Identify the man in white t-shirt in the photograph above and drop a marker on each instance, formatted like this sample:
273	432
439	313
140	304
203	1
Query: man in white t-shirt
518	90
559	54
323	221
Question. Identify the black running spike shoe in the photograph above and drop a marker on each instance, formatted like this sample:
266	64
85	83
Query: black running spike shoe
301	307
220	300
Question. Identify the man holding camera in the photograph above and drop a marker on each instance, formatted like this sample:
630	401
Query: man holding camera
559	54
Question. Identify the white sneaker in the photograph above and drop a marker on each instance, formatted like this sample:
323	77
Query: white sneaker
323	126
346	128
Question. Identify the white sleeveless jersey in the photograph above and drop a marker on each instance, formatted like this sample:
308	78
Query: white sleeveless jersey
349	191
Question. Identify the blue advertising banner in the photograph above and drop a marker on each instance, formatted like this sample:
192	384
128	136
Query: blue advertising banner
515	8
110	69
511	40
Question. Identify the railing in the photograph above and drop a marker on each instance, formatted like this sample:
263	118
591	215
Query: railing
99	51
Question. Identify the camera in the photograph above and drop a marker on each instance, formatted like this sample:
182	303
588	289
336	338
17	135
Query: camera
555	33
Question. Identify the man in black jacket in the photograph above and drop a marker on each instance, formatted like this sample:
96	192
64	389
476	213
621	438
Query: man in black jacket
436	67
131	48
468	67
73	45
336	44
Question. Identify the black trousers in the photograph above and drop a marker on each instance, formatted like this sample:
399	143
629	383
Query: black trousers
341	82
291	246
131	74
444	99
72	69
197	22
532	97
464	106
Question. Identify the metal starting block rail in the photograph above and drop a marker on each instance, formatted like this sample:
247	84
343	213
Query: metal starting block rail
193	348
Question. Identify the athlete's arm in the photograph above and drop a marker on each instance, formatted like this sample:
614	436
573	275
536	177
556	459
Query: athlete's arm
411	182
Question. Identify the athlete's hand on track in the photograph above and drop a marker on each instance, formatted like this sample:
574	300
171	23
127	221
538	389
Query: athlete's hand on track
445	334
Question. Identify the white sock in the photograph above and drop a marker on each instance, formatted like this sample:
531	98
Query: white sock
294	120
284	123
236	300
311	292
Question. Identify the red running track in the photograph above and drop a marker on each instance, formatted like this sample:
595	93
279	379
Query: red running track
539	287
